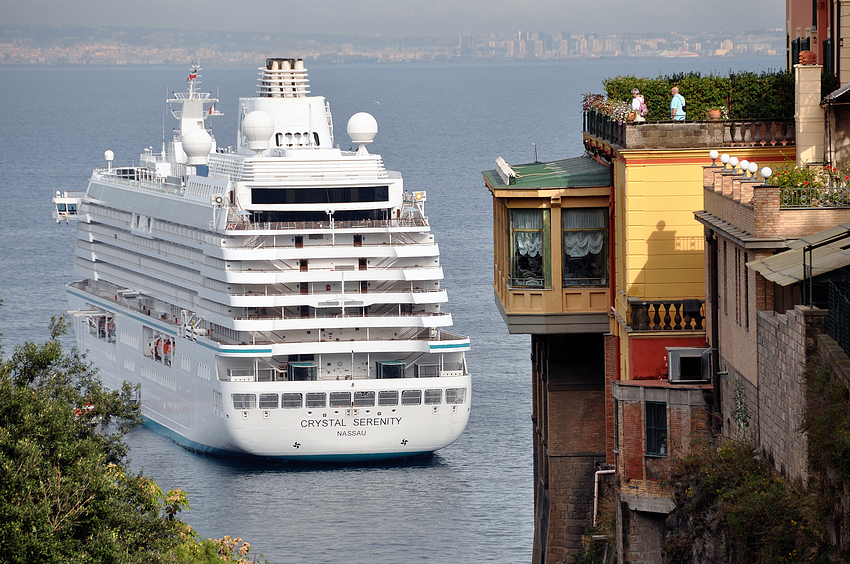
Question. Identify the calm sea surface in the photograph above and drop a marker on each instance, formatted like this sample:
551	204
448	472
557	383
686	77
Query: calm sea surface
440	125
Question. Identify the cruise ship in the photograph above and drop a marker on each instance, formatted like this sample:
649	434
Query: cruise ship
280	298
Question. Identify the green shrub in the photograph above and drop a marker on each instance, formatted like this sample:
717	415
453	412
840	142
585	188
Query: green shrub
745	95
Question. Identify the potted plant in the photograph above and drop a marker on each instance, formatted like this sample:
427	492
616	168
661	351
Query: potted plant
718	112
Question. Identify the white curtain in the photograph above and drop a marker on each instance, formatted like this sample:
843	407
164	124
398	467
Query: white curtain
528	244
584	231
582	243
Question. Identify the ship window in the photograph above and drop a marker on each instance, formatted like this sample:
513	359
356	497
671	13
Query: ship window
291	401
301	371
411	397
364	399
389	397
455	395
433	397
244	401
268	401
340	399
60	207
656	428
325	196
527	243
316	399
585	246
392	369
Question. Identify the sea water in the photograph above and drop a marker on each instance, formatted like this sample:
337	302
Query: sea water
440	125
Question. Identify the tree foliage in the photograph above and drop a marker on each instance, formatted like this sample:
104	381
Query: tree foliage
66	494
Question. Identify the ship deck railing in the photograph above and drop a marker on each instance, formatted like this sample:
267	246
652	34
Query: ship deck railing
332	295
234	224
273	374
361	315
144	179
336	268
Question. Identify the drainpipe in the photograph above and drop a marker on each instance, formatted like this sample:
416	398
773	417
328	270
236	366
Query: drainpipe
596	490
717	420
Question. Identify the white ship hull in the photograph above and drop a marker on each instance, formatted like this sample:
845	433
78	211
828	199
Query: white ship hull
251	325
180	404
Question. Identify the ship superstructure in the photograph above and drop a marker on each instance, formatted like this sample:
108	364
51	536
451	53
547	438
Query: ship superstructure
278	299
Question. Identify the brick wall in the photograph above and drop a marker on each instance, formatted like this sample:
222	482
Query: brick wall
782	349
642	538
570	417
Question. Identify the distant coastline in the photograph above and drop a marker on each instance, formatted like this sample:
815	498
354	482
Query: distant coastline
113	46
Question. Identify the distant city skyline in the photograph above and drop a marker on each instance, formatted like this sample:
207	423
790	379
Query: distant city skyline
432	18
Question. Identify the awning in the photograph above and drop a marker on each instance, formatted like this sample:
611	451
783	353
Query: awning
831	251
837	96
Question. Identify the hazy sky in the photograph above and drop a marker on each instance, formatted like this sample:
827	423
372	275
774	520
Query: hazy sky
404	17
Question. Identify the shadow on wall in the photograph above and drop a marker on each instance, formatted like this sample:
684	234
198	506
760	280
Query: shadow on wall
673	265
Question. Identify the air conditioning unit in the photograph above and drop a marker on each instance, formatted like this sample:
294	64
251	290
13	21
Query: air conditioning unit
217	199
689	365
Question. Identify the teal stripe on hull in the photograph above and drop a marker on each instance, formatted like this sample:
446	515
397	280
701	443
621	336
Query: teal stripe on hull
319	458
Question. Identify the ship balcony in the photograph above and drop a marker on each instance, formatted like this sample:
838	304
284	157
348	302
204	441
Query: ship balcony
285	373
406	341
294	298
307	318
330	237
412	273
239	223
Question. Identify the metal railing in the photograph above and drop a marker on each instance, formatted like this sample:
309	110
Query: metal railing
600	125
807	198
236	225
838	316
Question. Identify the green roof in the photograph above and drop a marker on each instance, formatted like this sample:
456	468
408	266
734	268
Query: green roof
577	172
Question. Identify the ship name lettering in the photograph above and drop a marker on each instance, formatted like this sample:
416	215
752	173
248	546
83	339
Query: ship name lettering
315	423
376	421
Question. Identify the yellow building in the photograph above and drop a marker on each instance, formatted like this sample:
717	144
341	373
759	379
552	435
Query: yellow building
599	259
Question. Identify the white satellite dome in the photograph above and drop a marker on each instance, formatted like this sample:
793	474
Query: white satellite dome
258	128
197	144
362	128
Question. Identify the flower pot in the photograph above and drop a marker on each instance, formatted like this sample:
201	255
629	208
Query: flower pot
714	114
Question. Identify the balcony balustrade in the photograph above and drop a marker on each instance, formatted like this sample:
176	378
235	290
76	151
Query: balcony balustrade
667	315
690	134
